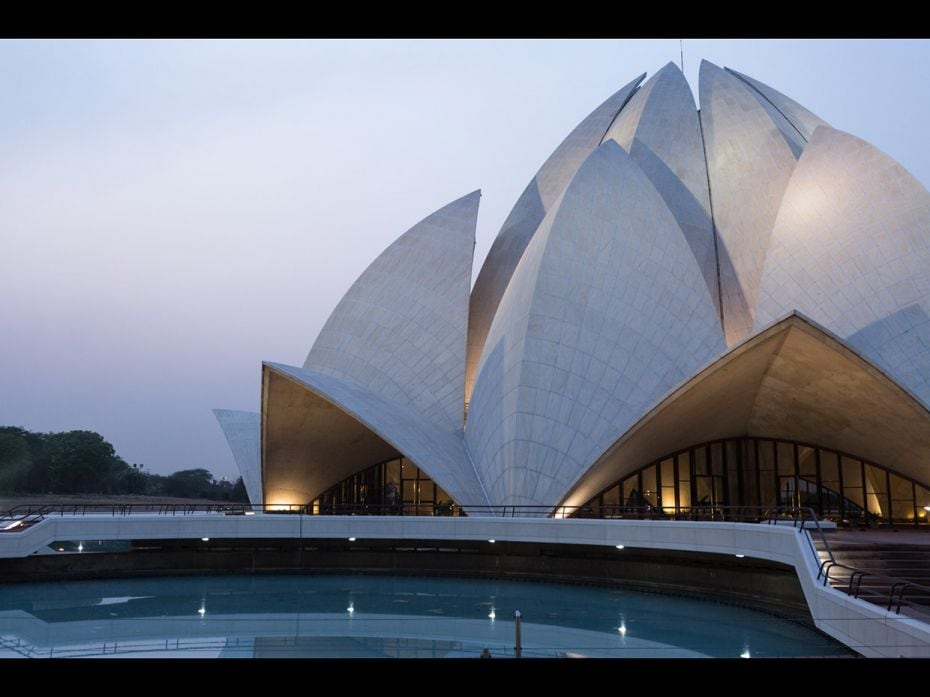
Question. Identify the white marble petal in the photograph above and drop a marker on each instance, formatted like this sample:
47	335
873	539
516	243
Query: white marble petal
749	163
243	433
660	129
606	311
544	189
851	249
400	330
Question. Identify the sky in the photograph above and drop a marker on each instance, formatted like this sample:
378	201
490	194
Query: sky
175	212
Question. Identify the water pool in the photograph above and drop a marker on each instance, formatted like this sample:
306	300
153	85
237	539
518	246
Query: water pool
380	616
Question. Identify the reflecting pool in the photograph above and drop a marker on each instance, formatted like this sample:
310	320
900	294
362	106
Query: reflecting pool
380	616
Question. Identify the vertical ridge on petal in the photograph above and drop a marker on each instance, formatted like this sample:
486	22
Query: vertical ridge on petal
660	129
749	163
804	120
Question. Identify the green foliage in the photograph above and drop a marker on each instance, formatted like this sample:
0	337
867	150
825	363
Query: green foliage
83	462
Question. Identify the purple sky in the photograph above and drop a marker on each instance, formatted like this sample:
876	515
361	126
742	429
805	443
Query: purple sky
175	212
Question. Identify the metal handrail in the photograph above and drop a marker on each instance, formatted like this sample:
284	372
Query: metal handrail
854	587
700	512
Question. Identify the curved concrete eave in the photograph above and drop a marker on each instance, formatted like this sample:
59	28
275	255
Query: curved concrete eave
353	428
795	381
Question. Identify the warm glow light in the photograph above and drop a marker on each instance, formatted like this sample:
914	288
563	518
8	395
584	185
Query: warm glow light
619	546
740	556
927	508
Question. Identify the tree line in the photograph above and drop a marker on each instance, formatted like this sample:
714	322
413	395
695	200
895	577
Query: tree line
83	462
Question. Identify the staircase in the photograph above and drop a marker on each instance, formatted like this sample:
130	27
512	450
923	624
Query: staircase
878	568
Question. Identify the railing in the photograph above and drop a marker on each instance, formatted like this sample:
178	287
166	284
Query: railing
27	514
897	586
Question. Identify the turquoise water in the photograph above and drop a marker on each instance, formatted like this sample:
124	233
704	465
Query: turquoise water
369	616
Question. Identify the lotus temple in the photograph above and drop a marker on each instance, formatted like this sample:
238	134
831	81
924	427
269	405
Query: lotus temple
695	362
722	307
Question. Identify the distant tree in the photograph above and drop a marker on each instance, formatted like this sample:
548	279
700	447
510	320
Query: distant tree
83	462
194	483
15	459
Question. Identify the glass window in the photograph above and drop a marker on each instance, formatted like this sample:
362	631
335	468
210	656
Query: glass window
902	499
876	489
649	485
753	472
392	472
923	504
785	459
684	495
612	499
668	499
700	460
631	492
807	462
410	491
852	487
733	455
767	472
684	467
705	494
830	478
668	472
733	493
716	458
852	473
